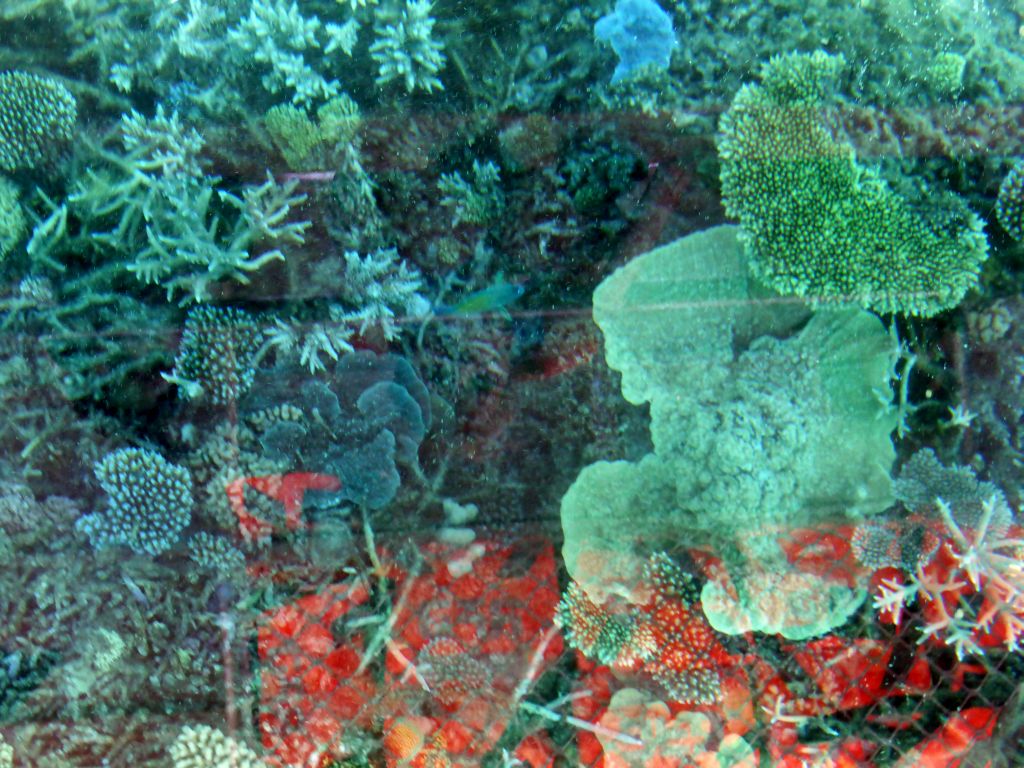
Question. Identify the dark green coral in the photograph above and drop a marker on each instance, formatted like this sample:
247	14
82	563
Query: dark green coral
818	223
36	115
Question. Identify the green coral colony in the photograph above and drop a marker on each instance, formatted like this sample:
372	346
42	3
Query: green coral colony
411	384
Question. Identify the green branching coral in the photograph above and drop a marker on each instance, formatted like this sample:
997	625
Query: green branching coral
404	49
36	115
819	224
479	201
156	207
380	291
277	35
216	355
149	502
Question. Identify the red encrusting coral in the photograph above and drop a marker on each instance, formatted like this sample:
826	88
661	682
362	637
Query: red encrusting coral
289	489
459	653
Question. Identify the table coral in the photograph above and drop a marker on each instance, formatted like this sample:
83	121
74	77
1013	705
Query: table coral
816	222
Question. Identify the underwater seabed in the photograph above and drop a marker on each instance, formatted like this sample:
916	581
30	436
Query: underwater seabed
433	384
428	650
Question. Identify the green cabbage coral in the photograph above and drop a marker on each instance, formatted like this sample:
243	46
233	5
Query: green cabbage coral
819	224
36	114
753	434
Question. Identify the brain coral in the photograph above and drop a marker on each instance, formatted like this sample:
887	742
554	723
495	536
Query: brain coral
816	222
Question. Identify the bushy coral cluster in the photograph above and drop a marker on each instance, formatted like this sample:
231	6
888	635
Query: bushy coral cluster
971	591
149	502
37	115
405	49
667	637
216	354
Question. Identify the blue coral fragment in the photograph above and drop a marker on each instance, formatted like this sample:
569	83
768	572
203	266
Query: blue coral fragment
641	34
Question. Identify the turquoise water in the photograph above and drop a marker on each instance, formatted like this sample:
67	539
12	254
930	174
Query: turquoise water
420	385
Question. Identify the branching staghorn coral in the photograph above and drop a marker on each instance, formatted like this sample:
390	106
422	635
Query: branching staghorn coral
174	224
971	593
404	49
277	34
479	201
379	291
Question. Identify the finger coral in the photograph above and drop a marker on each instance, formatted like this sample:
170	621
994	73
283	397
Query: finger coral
200	746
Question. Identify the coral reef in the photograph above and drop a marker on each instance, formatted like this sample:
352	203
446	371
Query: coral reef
325	323
405	49
200	746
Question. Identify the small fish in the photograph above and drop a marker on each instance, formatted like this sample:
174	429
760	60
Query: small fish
494	299
310	176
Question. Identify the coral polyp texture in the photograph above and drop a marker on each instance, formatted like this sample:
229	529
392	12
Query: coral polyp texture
149	502
37	115
200	746
1010	202
216	354
819	223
